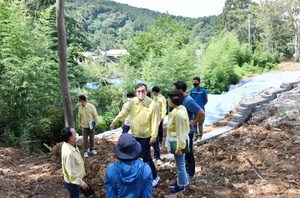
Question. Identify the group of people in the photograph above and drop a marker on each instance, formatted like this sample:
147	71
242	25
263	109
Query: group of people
134	173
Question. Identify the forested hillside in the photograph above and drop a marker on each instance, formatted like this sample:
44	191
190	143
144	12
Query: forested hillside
111	24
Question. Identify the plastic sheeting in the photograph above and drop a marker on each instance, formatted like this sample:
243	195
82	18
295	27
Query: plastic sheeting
219	106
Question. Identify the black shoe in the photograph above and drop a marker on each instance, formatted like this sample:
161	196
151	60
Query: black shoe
173	184
177	189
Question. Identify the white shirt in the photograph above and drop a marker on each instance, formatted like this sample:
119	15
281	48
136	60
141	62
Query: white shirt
127	119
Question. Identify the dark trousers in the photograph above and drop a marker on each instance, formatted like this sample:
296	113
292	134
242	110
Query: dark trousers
125	129
156	149
88	134
189	158
160	133
146	154
74	190
199	127
159	139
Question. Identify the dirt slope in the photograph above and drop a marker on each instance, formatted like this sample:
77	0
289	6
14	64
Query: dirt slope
259	159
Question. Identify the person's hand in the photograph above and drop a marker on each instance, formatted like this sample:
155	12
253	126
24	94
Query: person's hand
85	186
192	123
152	141
122	126
112	126
96	126
178	152
162	120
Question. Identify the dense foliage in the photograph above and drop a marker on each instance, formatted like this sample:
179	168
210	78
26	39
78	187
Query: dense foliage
29	97
219	61
164	49
30	102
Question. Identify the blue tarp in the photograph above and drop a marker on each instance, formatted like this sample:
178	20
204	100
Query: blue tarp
114	81
92	85
219	106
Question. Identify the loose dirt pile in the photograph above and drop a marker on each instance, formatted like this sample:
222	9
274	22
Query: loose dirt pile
259	159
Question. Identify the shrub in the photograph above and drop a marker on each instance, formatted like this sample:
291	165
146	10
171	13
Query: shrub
219	62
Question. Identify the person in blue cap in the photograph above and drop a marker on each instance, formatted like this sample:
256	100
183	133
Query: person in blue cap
128	176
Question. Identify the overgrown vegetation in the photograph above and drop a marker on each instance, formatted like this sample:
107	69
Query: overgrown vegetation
164	49
29	97
30	102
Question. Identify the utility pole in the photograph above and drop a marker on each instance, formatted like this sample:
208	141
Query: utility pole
105	58
249	33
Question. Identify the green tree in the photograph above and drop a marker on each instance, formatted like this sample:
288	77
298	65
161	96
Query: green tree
219	61
174	64
156	38
163	50
29	95
274	32
237	16
291	14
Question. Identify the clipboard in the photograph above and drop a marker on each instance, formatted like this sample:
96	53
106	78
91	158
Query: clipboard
92	124
173	145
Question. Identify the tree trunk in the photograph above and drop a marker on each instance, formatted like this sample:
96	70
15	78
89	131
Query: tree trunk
63	75
294	15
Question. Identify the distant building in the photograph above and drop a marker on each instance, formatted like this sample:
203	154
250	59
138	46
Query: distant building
114	54
111	55
93	56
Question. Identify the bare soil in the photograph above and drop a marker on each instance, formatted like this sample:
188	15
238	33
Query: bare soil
259	159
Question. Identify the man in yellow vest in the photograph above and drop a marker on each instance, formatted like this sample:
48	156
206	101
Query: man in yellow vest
72	163
144	119
162	104
88	121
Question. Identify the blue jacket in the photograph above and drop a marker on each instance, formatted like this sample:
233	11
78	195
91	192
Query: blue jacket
130	179
192	108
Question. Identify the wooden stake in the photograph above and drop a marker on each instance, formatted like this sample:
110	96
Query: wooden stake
255	170
48	147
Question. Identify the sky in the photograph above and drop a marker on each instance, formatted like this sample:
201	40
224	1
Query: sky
186	8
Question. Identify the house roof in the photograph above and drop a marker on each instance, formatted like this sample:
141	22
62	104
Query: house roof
116	52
